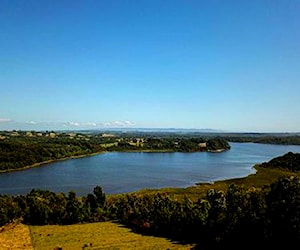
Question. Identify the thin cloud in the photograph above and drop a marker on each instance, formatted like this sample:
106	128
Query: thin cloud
10	124
129	123
112	124
90	124
5	120
76	124
31	122
80	124
118	124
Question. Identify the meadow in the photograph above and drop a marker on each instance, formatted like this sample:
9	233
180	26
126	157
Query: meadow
99	235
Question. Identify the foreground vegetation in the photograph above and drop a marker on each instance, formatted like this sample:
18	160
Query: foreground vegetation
258	210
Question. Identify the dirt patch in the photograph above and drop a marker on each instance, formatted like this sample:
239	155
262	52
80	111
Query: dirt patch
15	236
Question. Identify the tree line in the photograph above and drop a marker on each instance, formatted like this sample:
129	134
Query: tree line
222	219
262	138
43	207
15	154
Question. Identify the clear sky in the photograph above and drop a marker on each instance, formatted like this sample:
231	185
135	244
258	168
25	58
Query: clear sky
226	65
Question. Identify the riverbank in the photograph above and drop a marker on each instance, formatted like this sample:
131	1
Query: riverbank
262	177
217	150
39	164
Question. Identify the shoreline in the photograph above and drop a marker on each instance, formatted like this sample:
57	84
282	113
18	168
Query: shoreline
217	150
39	164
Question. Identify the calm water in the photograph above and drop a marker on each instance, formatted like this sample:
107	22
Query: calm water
125	172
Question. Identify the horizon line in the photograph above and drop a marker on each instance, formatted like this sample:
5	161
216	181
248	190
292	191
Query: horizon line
154	129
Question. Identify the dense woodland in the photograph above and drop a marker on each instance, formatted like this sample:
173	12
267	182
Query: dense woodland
236	217
282	139
289	161
21	152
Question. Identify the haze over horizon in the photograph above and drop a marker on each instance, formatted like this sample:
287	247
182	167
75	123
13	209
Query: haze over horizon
221	65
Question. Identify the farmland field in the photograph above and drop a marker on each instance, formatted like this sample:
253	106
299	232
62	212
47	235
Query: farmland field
15	236
102	235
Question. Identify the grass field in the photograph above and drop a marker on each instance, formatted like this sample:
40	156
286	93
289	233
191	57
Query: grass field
101	235
107	145
15	236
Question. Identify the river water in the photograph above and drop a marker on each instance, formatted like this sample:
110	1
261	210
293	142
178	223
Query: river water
119	172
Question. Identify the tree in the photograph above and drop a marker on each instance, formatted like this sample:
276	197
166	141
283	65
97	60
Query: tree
100	196
283	210
73	209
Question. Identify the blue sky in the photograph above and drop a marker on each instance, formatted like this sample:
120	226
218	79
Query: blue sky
227	65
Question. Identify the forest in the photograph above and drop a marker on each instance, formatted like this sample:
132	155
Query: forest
264	217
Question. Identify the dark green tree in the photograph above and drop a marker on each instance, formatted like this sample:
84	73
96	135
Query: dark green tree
100	196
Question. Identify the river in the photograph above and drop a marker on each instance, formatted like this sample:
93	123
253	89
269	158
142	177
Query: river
120	172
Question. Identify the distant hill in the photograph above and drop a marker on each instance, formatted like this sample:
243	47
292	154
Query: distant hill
289	161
